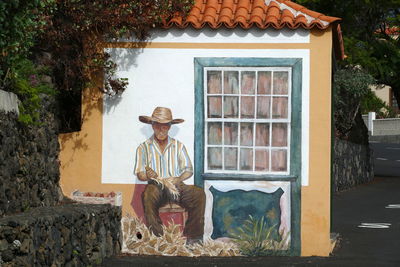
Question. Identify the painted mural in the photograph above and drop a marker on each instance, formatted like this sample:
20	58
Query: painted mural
164	164
220	145
230	211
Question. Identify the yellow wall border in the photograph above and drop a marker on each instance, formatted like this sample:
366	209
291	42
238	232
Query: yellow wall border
81	152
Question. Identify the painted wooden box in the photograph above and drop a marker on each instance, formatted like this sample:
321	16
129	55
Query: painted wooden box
112	198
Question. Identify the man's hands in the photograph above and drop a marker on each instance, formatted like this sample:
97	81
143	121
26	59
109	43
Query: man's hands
147	175
150	173
174	180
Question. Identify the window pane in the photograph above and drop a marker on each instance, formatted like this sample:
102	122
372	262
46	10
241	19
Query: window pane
247	107
214	82
231	133
281	82
263	107
231	104
262	134
248	82
214	158
262	160
230	158
246	159
278	160
280	107
279	134
231	82
264	82
214	133
246	134
214	106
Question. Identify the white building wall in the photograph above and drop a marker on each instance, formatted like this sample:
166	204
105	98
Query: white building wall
165	77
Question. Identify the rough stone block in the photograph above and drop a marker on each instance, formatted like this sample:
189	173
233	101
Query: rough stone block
67	235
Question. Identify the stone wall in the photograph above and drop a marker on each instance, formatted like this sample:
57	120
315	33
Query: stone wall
29	166
37	226
66	235
352	164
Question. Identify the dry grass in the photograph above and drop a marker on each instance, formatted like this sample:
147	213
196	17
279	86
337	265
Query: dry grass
137	239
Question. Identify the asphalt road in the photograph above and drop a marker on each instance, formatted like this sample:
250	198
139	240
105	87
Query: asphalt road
368	220
386	159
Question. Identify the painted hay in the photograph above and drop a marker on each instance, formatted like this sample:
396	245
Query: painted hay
137	239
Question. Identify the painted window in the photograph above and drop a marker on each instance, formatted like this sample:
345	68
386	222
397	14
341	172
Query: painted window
247	119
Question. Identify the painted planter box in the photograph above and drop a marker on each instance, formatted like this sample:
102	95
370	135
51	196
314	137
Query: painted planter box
112	198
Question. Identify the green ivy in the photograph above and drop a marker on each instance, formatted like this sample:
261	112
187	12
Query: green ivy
21	21
29	85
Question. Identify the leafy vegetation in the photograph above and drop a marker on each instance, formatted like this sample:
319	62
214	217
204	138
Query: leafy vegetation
79	27
350	87
372	103
371	30
21	22
73	31
255	238
29	83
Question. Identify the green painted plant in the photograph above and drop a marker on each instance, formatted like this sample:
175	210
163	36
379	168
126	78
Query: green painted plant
255	238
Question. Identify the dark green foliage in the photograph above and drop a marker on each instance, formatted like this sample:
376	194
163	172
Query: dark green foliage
350	87
28	82
75	35
72	31
21	21
78	27
372	103
371	35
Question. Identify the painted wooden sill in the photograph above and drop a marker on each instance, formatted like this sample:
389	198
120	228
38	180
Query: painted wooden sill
247	177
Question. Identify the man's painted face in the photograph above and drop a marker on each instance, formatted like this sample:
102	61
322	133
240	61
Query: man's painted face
161	130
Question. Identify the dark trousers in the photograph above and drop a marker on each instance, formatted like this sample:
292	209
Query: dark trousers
191	198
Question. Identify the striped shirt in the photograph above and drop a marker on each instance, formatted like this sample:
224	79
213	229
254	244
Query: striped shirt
172	163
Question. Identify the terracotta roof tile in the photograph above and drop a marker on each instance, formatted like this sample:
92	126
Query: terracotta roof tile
257	13
249	13
300	19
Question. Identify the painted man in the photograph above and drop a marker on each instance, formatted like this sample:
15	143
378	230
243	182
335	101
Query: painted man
164	163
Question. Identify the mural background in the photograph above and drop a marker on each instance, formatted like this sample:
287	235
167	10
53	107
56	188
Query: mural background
174	88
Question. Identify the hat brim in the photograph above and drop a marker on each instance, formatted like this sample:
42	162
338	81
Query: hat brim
150	120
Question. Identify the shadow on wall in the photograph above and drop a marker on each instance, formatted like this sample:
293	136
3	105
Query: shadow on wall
125	60
160	34
93	100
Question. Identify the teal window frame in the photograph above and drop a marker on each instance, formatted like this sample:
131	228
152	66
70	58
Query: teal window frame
295	134
294	177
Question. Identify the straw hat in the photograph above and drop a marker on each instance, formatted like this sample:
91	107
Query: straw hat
160	115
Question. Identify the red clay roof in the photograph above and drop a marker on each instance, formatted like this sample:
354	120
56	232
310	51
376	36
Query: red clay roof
248	13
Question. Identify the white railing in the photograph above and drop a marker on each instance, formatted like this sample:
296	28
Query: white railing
379	127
